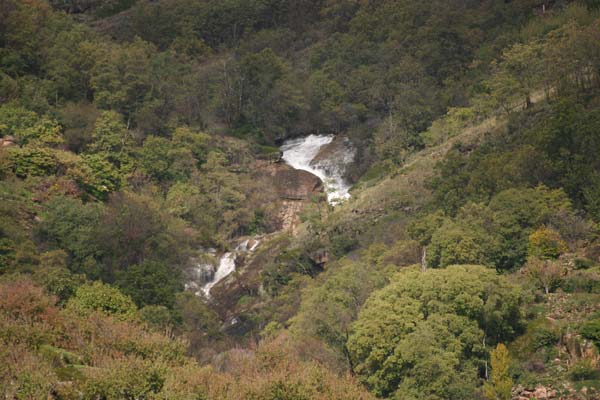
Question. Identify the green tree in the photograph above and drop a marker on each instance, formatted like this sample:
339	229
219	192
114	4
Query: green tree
133	229
96	175
591	331
112	139
121	77
456	244
69	224
520	73
32	161
156	157
150	283
328	309
500	386
445	313
197	320
546	243
104	298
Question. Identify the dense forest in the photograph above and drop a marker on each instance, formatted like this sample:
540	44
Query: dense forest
141	146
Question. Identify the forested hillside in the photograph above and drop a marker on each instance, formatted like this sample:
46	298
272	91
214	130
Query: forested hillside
158	242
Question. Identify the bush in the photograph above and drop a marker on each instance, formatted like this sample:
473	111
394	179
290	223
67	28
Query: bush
59	282
33	161
591	331
583	370
581	282
104	298
342	243
545	337
158	317
129	378
150	283
583	263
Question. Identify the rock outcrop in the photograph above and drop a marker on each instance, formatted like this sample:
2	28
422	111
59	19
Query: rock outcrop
293	184
537	393
294	188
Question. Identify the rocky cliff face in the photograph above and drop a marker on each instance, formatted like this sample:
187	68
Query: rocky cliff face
293	184
294	188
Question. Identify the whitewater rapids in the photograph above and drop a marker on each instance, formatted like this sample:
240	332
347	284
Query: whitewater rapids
303	154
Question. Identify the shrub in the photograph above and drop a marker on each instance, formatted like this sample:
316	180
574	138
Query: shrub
104	298
159	317
545	337
591	331
581	282
583	263
583	370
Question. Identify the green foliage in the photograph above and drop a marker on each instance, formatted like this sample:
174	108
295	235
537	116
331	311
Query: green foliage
150	283
104	298
71	225
158	317
130	379
54	276
156	157
111	138
546	243
544	337
453	123
437	318
46	132
452	244
32	161
581	282
134	230
16	119
591	331
110	176
197	320
342	243
96	175
584	370
494	235
328	309
500	387
284	266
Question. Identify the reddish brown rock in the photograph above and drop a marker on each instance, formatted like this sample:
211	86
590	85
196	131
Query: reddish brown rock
293	188
293	184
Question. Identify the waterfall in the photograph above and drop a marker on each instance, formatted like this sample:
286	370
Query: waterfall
322	156
227	265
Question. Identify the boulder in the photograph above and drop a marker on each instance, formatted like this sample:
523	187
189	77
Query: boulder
293	184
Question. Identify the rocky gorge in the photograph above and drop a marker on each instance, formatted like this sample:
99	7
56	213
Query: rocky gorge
308	171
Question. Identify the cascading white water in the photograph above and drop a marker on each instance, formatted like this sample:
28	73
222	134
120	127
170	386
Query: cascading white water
226	267
227	264
302	154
